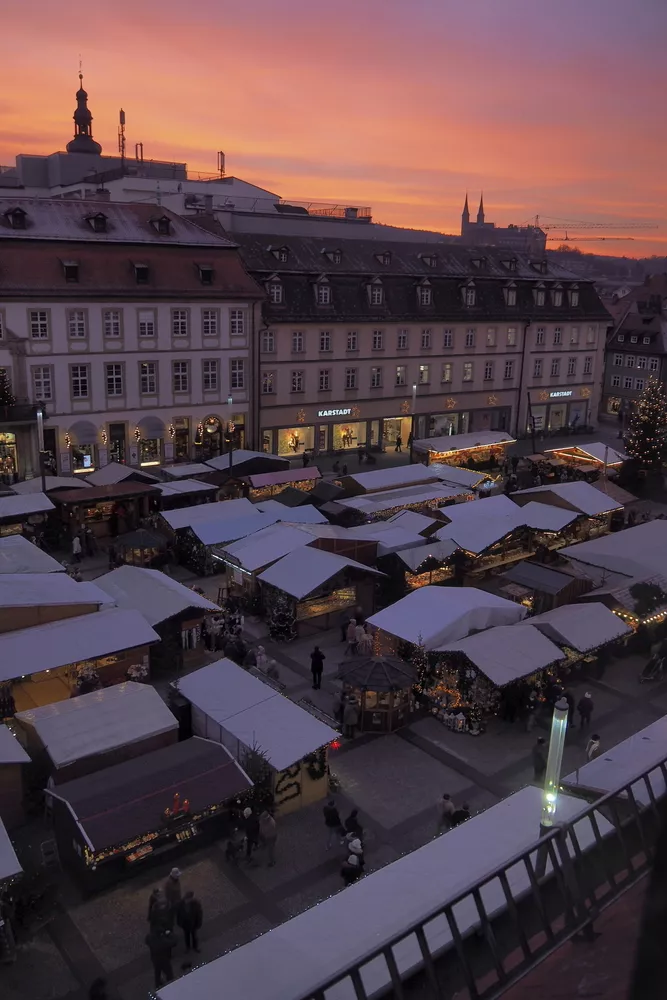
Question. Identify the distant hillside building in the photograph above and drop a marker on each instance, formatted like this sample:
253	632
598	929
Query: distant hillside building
524	239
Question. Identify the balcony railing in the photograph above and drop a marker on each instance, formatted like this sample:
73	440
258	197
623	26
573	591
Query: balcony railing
18	413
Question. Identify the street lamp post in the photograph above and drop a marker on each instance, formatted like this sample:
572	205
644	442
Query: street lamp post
230	430
552	778
412	422
40	445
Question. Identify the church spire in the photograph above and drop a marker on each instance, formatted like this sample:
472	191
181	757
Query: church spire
83	141
465	214
480	210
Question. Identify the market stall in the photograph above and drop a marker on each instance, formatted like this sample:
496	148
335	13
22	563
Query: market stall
106	510
382	686
10	869
384	504
12	760
114	473
243	713
140	548
481	448
543	587
428	564
32	599
594	454
269	484
20	515
593	507
244	560
582	630
146	809
18	555
180	493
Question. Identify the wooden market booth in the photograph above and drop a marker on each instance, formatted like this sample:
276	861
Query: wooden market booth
246	558
592	507
593	456
19	515
479	447
13	759
140	547
269	484
383	687
106	510
230	706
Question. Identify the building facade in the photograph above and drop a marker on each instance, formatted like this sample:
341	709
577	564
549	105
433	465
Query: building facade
366	344
130	327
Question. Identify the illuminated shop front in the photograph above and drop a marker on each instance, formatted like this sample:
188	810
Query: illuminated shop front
8	457
552	410
295	440
81	441
395	427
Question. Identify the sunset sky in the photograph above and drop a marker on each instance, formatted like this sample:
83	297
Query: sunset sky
550	108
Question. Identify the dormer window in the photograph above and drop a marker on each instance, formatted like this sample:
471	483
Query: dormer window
275	293
573	296
384	258
16	218
430	259
376	293
97	222
469	294
205	274
557	296
71	271
323	292
280	253
141	274
510	263
335	256
541	266
478	262
424	295
162	225
510	295
539	295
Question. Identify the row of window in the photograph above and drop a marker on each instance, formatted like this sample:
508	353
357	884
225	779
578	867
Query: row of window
636	362
114	378
634	339
628	382
39	323
376	294
555	370
351	376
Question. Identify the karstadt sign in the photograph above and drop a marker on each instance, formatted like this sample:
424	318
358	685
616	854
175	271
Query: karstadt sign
344	412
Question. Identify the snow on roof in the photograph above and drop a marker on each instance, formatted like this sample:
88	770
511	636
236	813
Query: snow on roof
401	475
183	486
33	590
9	863
417	556
100	721
240	456
186	517
303	571
371	503
580	626
460	442
627	760
86	637
50	483
185	470
306	514
538	577
580	496
481	523
31	503
455	475
635	552
254	713
544	517
389	537
155	595
294	959
444	614
18	555
266	546
596	450
410	520
284	476
114	472
11	751
506	653
219	532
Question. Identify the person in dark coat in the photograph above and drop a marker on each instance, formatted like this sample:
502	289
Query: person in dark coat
251	826
585	709
316	667
332	822
160	945
539	758
460	815
160	913
350	870
189	918
352	825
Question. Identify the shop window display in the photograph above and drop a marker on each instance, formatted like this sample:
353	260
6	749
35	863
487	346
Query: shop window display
181	438
349	436
8	459
441	424
295	440
149	451
83	457
395	427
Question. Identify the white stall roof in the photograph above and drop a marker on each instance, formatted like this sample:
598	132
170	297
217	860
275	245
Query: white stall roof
240	456
100	721
266	546
50	483
254	713
456	475
114	473
306	513
11	751
154	594
390	537
386	479
507	653
440	551
9	863
57	644
282	476
412	521
477	525
544	517
185	470
186	517
293	959
636	552
18	555
437	615
33	590
597	450
371	503
627	760
179	487
580	626
579	496
31	503
461	442
229	529
303	571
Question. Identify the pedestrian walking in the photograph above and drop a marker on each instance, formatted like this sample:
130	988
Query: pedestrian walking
352	825
446	810
189	918
160	915
76	549
344	469
356	849
332	822
316	667
460	815
399	443
531	710
234	846
261	659
161	943
268	833
539	758
89	540
343	622
251	826
350	717
585	709
351	636
350	870
593	748
172	891
359	637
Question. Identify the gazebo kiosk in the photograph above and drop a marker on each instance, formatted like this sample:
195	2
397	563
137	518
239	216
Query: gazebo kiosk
383	687
140	547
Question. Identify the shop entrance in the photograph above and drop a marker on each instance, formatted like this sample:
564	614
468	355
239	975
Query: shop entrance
395	428
557	418
8	457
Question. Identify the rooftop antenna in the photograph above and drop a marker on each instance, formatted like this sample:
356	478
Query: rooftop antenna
139	151
121	135
158	193
221	163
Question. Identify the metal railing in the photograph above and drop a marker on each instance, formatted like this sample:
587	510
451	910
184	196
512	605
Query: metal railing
483	940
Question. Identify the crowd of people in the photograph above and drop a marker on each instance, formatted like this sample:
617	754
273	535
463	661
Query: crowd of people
170	907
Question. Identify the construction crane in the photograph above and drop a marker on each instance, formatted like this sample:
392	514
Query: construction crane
565	224
584	239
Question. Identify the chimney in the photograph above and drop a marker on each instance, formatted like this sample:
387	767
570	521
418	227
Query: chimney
208	203
102	194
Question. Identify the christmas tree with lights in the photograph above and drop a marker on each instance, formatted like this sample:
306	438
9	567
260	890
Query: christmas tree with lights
282	619
7	397
646	440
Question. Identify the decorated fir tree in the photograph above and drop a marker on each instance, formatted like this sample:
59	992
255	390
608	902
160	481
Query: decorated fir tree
282	619
7	398
421	666
646	440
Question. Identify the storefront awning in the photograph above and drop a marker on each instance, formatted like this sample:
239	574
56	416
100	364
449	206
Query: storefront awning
83	432
151	427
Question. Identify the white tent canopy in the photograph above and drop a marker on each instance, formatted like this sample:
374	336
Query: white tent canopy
376	503
34	590
11	751
50	483
31	503
544	517
18	555
155	595
437	615
451	443
597	450
240	456
417	556
506	653
580	626
99	722
186	517
476	526
410	520
114	472
578	496
181	487
455	475
306	513
185	470
9	863
303	571
387	479
238	710
57	644
266	546
634	552
229	529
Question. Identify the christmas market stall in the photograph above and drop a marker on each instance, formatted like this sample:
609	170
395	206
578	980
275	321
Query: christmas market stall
97	730
301	514
140	548
247	716
594	455
428	564
584	631
244	560
176	612
37	598
180	493
309	586
147	809
383	688
21	515
52	662
114	473
592	508
479	448
184	470
10	869
18	555
51	484
193	529
106	510
405	476
384	504
13	758
541	588
270	484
